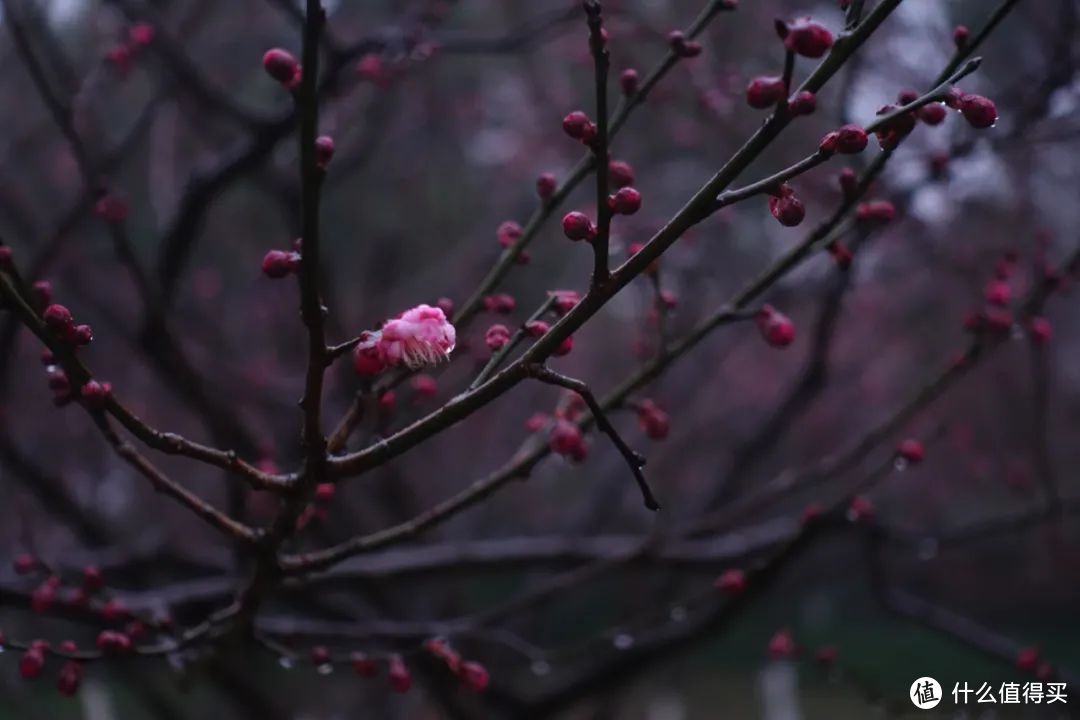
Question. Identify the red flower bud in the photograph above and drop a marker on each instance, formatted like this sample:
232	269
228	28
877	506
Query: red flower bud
775	327
277	264
94	394
111	641
620	173
497	337
1027	660
536	328
400	677
565	300
681	46
58	319
932	114
787	208
6	255
906	97
628	81
804	103
911	450
980	112
115	611
654	422
536	422
282	66
71	675
808	38
42	290
576	125
508	233
577	226
474	676
849	139
841	255
546	185
566	439
142	34
782	646
765	91
58	380
565	347
370	69
626	201
93	580
324	492
121	59
732	582
960	35
881	211
860	509
896	129
32	664
500	303
81	335
998	293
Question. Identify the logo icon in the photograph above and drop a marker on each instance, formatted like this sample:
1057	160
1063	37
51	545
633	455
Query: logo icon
925	693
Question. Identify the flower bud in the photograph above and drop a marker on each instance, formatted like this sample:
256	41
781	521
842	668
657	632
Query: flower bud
979	111
932	114
804	103
508	233
546	185
911	450
787	208
497	337
620	174
765	91
577	226
626	201
775	327
731	582
282	66
807	38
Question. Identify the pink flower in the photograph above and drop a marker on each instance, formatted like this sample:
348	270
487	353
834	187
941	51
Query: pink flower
416	338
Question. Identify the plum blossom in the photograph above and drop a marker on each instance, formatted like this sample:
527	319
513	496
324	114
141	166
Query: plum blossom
418	337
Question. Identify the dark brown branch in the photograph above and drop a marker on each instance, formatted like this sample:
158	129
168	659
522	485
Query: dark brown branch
601	63
267	569
162	483
633	459
169	443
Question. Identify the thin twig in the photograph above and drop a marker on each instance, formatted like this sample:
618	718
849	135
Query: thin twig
635	460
